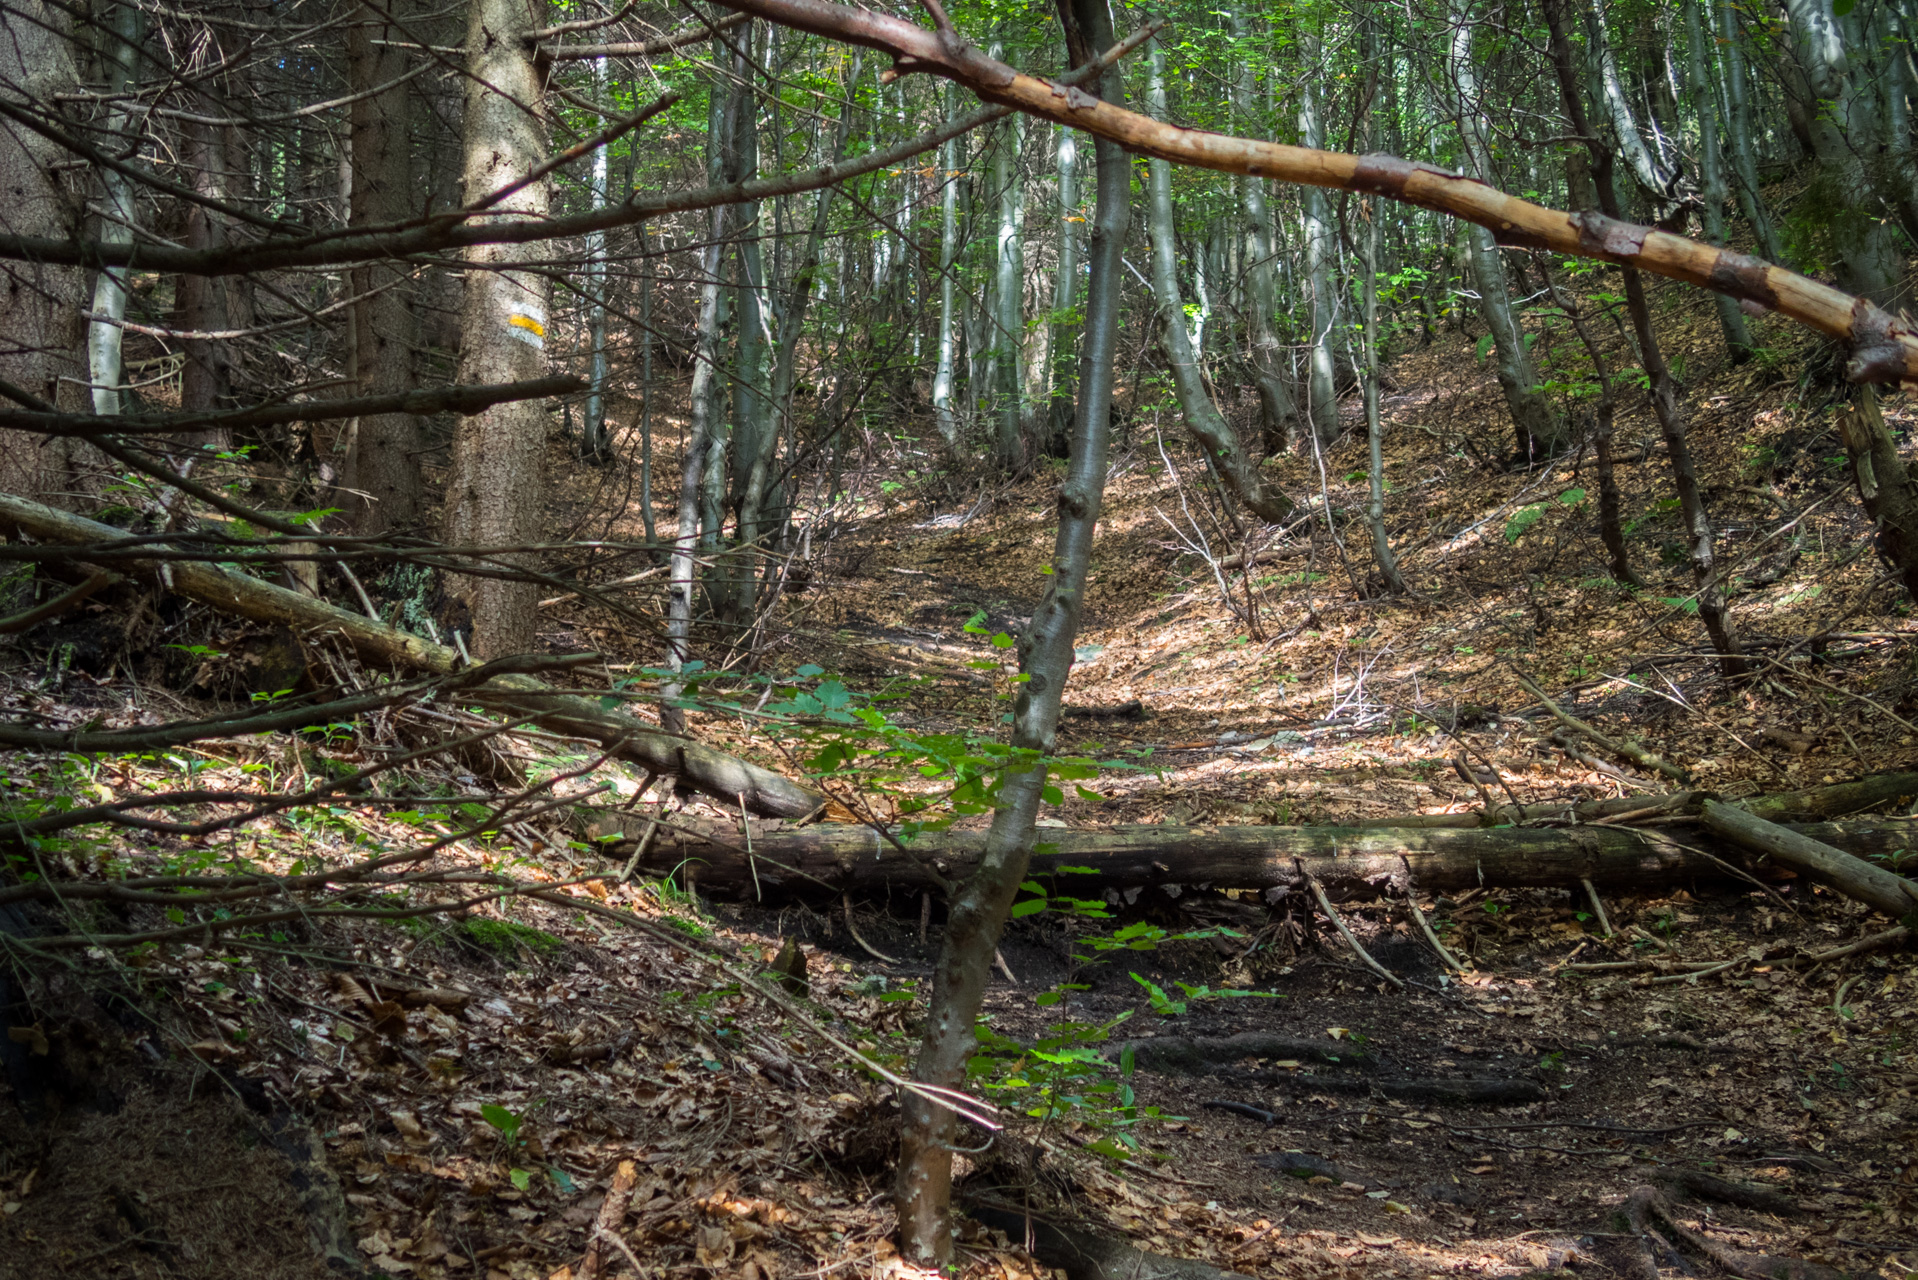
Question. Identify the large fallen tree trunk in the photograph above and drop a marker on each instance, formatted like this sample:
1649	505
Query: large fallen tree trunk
797	861
725	777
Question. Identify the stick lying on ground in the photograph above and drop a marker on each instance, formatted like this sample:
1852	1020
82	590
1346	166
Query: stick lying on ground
714	773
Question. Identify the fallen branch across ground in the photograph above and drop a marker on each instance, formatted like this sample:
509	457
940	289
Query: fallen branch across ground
714	773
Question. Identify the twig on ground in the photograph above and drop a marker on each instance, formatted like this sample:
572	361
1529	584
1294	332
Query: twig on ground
1425	926
1628	749
1325	905
853	929
1598	906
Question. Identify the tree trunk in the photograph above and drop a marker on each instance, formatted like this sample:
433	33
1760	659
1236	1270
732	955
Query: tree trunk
1322	405
943	415
45	348
380	485
1063	321
494	495
120	47
1651	175
1203	420
1009	283
1731	320
1269	372
1374	431
1710	593
1886	486
1738	125
1879	888
595	445
1352	861
1844	130
978	910
1539	431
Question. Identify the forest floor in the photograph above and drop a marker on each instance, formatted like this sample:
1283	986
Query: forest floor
470	1096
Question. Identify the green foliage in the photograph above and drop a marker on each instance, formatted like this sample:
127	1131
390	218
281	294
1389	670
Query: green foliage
1525	517
506	937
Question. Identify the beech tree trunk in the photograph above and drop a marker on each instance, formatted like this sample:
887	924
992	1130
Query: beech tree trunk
494	494
1276	406
1322	405
120	42
978	911
1738	125
1202	417
1731	320
943	415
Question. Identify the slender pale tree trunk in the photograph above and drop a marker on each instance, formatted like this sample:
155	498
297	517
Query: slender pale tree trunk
121	42
979	909
1738	125
1540	432
943	416
1009	291
381	471
595	445
1646	169
1709	593
1731	321
494	494
1322	406
646	391
1388	561
1843	132
1269	365
1063	323
1203	420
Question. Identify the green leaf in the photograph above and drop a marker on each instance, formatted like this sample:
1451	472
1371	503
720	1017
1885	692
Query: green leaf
1030	907
1003	641
521	1178
1522	519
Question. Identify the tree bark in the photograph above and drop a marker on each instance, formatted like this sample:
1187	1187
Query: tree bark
1203	420
1269	372
495	490
1374	430
1353	861
943	415
1701	544
120	48
978	910
1853	876
381	486
1751	197
713	773
1886	486
1063	324
1731	320
1539	431
1322	405
1009	285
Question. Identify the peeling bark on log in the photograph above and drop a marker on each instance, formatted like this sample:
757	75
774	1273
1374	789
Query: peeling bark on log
714	773
1350	862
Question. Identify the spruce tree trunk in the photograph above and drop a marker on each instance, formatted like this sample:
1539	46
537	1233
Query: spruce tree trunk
1731	320
381	487
979	909
494	495
1203	420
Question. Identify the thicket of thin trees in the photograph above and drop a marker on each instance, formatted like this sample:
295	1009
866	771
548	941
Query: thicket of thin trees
334	275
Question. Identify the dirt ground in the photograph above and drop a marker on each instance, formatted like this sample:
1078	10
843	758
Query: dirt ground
484	1136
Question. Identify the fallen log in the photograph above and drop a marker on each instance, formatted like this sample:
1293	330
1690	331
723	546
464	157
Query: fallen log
715	773
1350	862
1877	887
1879	790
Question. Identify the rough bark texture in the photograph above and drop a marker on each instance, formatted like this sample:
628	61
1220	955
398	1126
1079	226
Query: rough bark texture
1350	861
43	352
1856	878
1886	485
714	773
381	468
493	496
